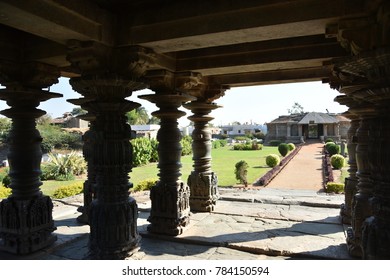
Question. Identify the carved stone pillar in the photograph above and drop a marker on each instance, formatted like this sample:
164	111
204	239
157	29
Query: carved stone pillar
89	192
376	229
26	222
351	182
170	197
109	75
361	207
203	181
367	73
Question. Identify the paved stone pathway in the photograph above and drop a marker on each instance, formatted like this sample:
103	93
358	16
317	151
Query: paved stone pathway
303	172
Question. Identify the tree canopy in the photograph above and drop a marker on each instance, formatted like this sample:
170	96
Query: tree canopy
296	109
138	116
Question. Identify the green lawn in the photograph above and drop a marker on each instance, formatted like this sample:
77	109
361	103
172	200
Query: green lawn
48	187
223	162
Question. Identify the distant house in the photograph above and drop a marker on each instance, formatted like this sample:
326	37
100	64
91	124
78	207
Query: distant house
299	127
188	130
69	121
146	130
241	129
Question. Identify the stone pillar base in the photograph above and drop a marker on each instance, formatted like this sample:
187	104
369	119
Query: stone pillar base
344	215
204	191
168	217
26	226
354	248
114	233
346	208
88	193
376	239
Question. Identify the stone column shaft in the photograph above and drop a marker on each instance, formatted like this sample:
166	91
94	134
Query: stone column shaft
352	180
203	181
26	222
112	214
376	229
108	76
170	196
361	208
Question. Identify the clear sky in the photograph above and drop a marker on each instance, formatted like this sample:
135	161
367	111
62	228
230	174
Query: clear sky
256	104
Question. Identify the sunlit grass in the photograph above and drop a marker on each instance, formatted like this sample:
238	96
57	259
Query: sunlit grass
223	164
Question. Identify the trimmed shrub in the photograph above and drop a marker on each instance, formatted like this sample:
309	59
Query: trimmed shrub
145	185
69	190
242	171
154	152
332	148
291	146
337	161
4	177
186	144
283	149
4	192
329	140
6	181
332	187
254	146
272	160
215	144
142	151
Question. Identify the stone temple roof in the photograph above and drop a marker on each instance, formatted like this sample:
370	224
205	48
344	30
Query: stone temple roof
318	118
312	117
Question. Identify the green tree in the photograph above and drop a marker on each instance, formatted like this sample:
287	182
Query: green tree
154	120
76	111
241	172
5	126
296	109
44	120
138	116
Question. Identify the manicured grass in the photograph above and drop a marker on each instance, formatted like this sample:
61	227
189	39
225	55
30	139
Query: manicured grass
223	164
48	187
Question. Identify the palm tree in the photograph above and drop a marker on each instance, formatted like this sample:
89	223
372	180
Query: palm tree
138	116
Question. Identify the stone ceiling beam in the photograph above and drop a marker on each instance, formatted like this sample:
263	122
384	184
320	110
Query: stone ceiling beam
272	77
209	65
59	20
262	22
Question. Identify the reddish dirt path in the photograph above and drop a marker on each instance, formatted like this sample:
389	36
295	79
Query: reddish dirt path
303	172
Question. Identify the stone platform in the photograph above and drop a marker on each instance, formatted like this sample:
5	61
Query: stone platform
247	225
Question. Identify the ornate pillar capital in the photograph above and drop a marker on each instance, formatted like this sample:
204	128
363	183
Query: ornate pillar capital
362	34
108	71
17	75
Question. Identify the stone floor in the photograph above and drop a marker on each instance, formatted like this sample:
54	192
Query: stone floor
247	225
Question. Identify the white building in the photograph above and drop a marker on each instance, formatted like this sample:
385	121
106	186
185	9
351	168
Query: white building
146	130
241	129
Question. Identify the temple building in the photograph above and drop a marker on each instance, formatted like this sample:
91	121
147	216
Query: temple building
296	128
188	53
